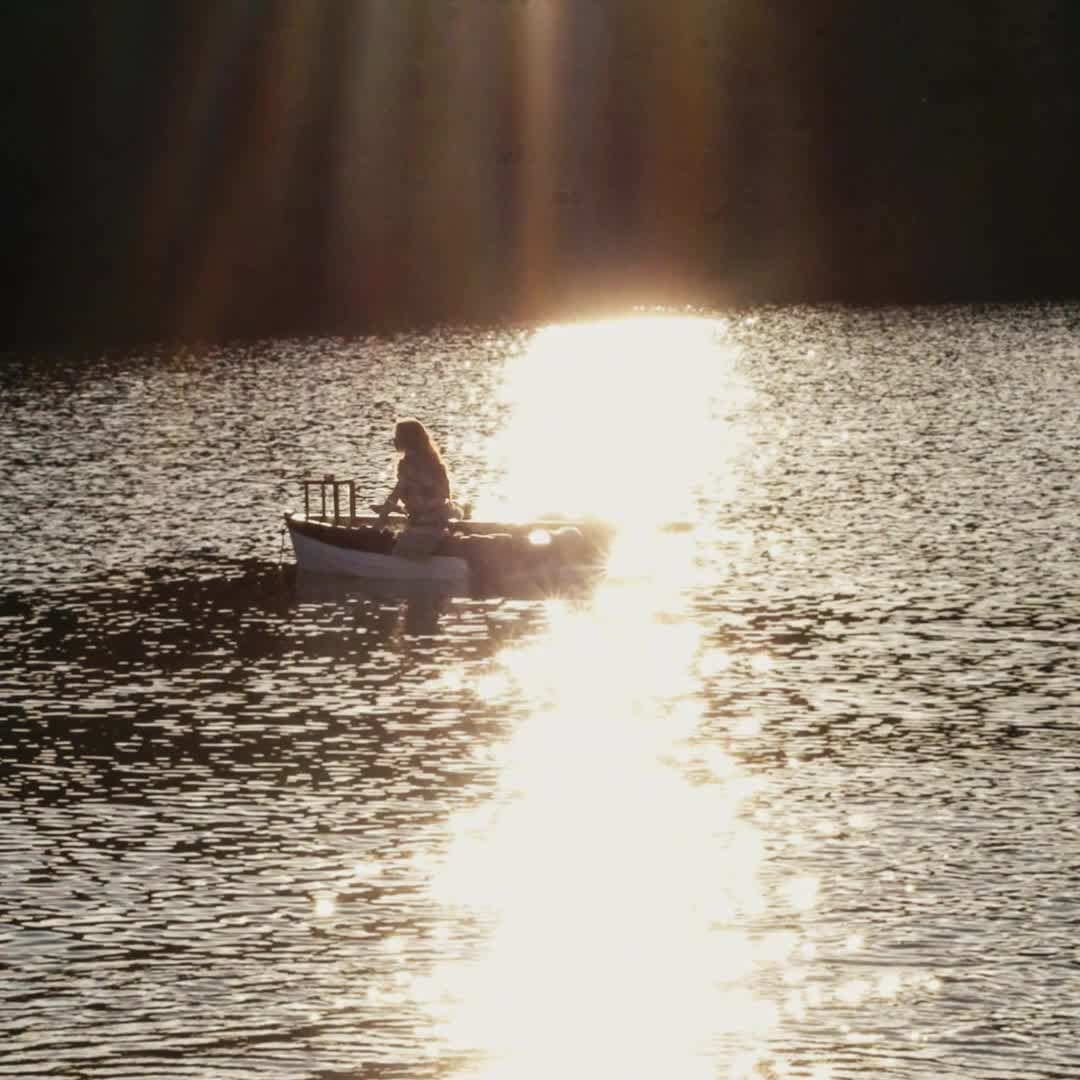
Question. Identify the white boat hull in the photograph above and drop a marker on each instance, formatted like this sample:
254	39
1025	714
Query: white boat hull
525	559
317	557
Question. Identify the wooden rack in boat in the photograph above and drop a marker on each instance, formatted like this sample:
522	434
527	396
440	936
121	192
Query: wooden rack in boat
336	496
332	486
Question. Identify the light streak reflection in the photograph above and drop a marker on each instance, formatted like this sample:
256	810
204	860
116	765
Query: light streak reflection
621	419
613	867
626	899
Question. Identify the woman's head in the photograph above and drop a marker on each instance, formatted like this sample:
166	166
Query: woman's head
411	437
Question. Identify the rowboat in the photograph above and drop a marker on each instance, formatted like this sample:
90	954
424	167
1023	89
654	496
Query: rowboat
492	557
360	547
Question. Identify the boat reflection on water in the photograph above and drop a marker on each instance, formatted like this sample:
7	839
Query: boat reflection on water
423	602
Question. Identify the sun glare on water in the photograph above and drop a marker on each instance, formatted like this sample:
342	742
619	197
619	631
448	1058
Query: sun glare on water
615	888
623	420
613	865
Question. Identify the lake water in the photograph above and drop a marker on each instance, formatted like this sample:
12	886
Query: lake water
794	794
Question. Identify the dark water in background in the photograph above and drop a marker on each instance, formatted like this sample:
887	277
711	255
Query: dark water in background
796	791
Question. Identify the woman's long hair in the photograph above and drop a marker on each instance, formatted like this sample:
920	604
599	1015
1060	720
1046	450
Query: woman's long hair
415	439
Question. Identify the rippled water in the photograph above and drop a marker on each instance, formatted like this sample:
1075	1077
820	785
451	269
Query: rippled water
793	794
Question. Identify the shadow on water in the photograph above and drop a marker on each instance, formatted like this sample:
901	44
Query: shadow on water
194	759
421	605
246	661
248	664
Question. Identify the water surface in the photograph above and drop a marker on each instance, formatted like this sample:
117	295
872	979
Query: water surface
792	794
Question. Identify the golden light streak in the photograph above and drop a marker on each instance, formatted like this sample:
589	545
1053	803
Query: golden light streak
245	171
620	419
190	116
614	866
373	152
539	125
618	894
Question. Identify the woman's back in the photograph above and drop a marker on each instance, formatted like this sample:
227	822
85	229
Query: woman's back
423	484
424	487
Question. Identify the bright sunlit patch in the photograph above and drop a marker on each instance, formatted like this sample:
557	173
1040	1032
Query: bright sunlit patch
451	679
853	992
801	893
611	864
747	726
720	764
777	947
760	663
714	661
624	420
491	685
618	656
853	943
324	905
615	888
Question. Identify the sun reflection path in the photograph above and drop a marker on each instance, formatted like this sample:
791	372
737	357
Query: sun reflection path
618	892
614	869
624	420
614	906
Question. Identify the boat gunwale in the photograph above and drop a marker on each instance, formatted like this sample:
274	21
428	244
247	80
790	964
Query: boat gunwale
464	526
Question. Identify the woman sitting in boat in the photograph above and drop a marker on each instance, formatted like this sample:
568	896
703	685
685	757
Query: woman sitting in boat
423	486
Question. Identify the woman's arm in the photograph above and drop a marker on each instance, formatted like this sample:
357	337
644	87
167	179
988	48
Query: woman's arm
391	503
393	499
